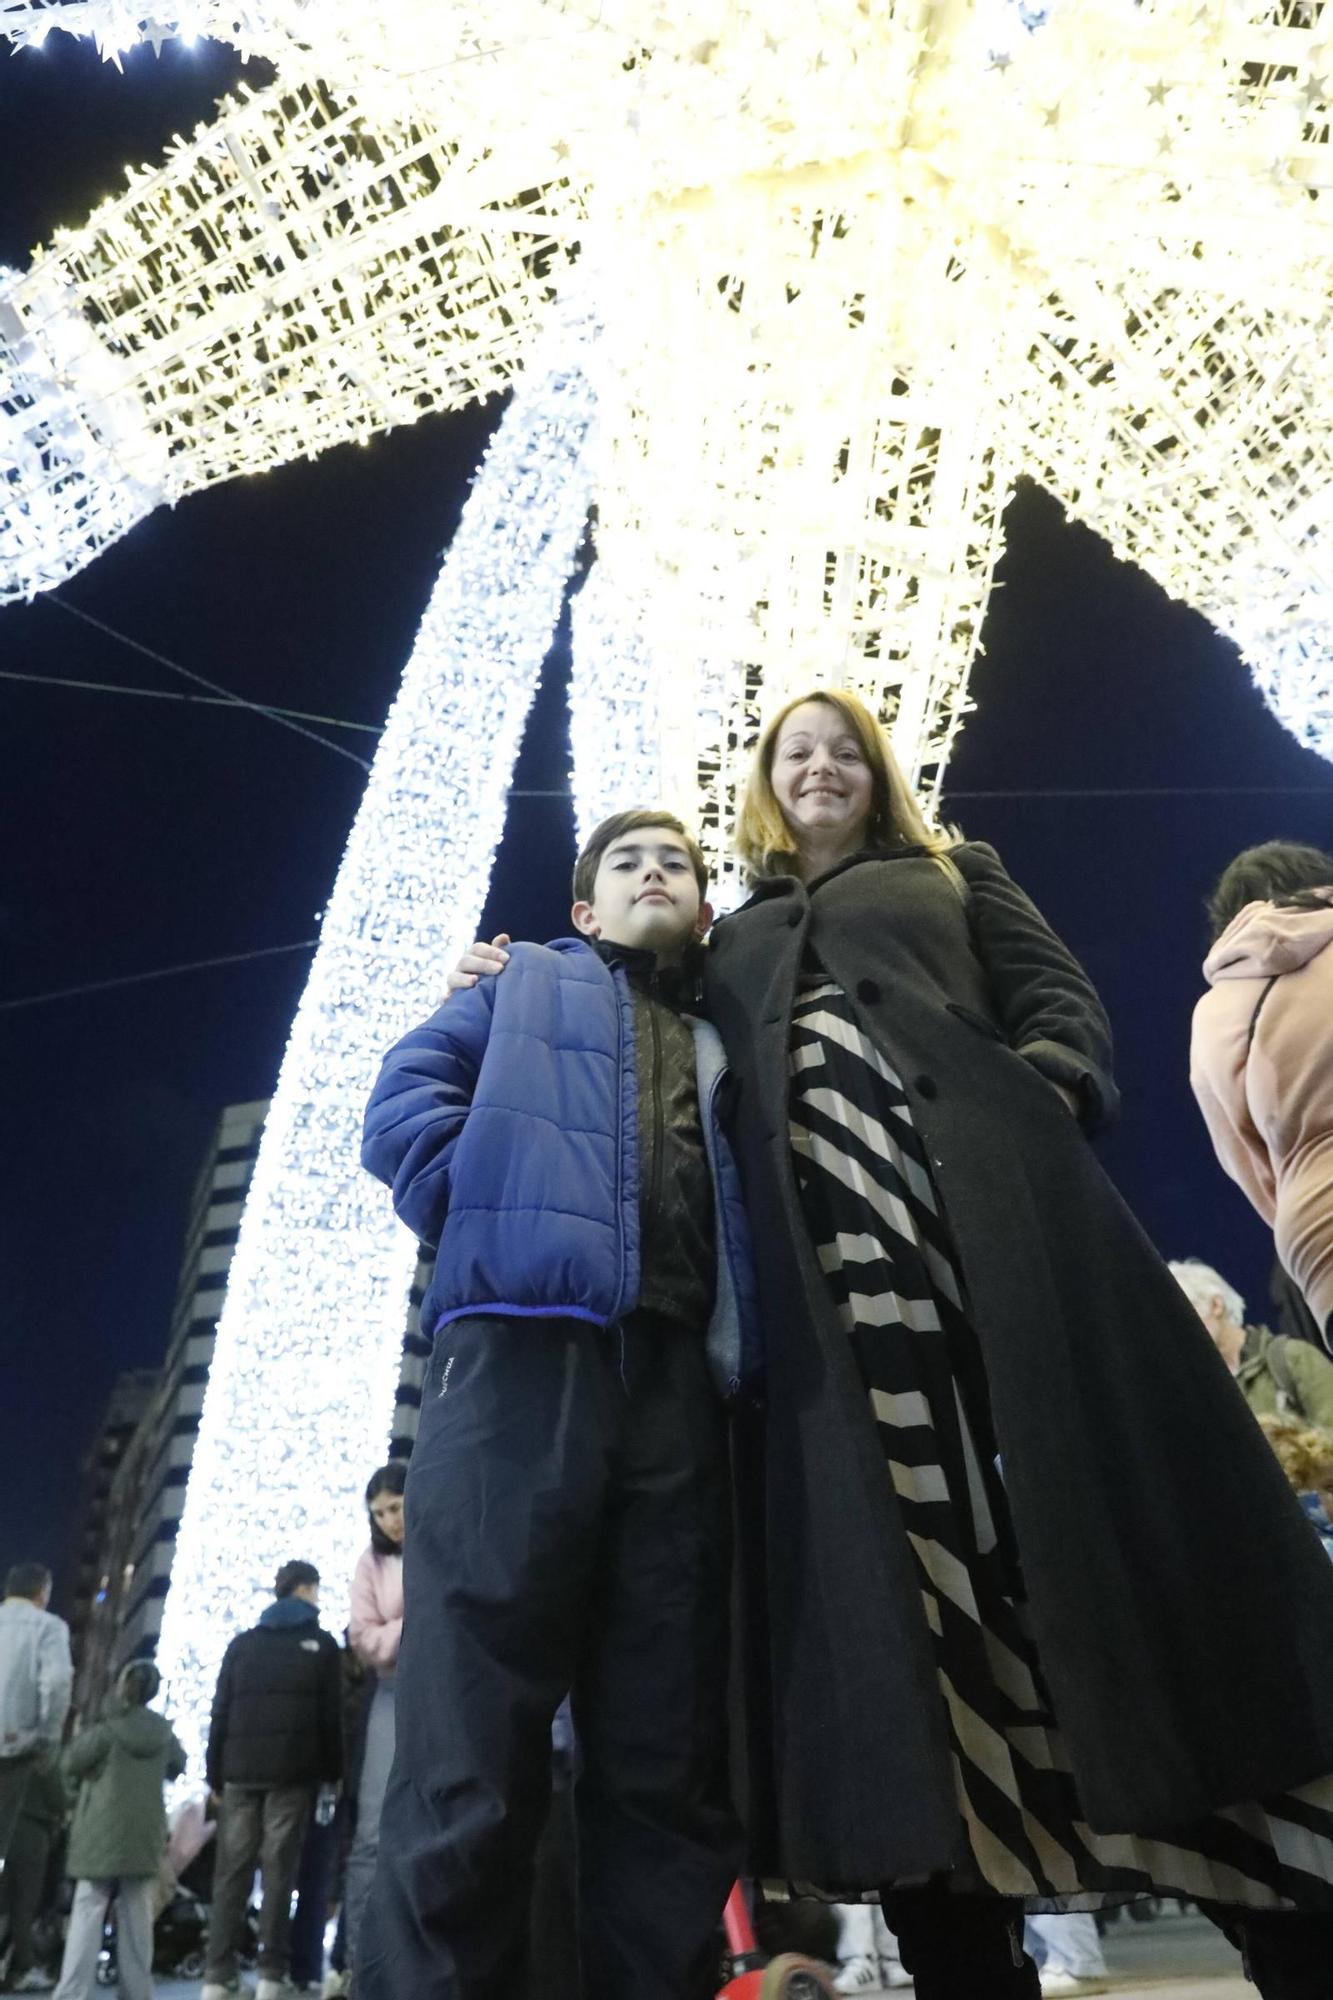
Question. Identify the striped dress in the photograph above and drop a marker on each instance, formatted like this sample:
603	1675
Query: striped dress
870	1204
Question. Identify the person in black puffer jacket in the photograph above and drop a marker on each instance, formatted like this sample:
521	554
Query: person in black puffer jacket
275	1738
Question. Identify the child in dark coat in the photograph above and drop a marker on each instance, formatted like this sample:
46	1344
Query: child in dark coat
119	1834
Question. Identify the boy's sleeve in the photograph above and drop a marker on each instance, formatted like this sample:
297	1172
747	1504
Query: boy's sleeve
217	1728
85	1755
419	1104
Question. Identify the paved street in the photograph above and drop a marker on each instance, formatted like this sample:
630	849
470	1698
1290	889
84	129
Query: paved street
1173	1958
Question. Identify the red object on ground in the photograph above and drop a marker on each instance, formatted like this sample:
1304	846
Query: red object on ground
748	1960
756	1977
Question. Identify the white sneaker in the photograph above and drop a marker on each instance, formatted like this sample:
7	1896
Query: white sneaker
34	1980
335	1985
892	1976
858	1975
1054	1982
274	1989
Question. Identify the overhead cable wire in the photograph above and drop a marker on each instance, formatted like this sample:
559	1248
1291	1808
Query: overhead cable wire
201	680
1153	792
158	972
223	701
292	717
176	694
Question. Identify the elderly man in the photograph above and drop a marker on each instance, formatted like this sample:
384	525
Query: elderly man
36	1678
1277	1376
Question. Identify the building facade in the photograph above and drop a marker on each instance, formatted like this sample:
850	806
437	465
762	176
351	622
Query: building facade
104	1535
148	1492
129	1546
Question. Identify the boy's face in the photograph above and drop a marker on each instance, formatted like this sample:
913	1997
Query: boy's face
645	895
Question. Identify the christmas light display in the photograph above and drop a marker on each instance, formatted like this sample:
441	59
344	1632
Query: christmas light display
855	265
833	275
296	1413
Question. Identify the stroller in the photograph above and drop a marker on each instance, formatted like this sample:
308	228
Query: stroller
179	1938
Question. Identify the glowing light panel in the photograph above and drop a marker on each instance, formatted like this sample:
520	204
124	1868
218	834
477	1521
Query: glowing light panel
854	266
297	1408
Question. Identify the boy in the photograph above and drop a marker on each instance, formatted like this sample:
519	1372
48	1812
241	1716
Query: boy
556	1134
119	1834
274	1740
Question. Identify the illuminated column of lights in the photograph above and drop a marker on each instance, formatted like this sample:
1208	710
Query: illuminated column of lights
301	1388
614	696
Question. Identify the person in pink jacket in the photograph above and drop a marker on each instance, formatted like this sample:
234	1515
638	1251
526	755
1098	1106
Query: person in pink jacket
375	1629
1261	1052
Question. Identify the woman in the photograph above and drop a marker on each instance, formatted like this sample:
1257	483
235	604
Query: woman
1261	1054
375	1630
965	1509
975	1512
119	1834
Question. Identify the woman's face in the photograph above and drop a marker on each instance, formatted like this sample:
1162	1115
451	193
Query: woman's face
386	1511
821	779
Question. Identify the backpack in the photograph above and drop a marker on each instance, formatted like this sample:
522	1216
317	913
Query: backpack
1289	1402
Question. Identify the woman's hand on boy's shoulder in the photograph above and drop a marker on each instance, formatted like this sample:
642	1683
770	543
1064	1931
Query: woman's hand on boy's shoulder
479	961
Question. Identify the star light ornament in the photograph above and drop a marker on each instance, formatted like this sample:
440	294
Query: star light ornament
832	274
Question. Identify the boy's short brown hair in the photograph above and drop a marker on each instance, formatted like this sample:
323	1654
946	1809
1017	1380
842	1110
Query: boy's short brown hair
619	824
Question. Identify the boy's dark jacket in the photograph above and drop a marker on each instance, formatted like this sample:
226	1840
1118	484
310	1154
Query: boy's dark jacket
508	1128
277	1711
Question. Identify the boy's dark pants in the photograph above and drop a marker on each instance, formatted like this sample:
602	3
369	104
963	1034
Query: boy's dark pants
567	1530
258	1826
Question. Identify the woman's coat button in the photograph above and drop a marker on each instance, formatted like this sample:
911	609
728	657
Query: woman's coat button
925	1086
794	918
867	990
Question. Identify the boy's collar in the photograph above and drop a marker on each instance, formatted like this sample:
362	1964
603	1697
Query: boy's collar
285	1611
680	983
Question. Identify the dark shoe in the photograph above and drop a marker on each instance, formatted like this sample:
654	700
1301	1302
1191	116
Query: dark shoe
960	1947
1288	1953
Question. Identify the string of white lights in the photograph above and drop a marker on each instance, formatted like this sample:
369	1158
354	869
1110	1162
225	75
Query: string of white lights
853	269
301	1388
616	766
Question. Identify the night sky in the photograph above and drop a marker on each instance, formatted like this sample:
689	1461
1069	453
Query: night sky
1118	758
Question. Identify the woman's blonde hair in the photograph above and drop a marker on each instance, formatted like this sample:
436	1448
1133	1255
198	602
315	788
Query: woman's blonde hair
763	838
1304	1451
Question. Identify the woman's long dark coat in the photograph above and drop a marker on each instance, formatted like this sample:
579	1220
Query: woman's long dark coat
1182	1609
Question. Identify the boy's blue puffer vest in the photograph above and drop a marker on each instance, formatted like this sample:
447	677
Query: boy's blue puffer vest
507	1127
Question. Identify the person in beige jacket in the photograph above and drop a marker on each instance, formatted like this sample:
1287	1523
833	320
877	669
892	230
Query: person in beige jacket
1261	1052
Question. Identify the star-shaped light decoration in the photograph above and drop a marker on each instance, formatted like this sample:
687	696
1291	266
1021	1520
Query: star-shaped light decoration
794	317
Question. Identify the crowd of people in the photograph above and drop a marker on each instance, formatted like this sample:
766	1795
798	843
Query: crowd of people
804	1411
